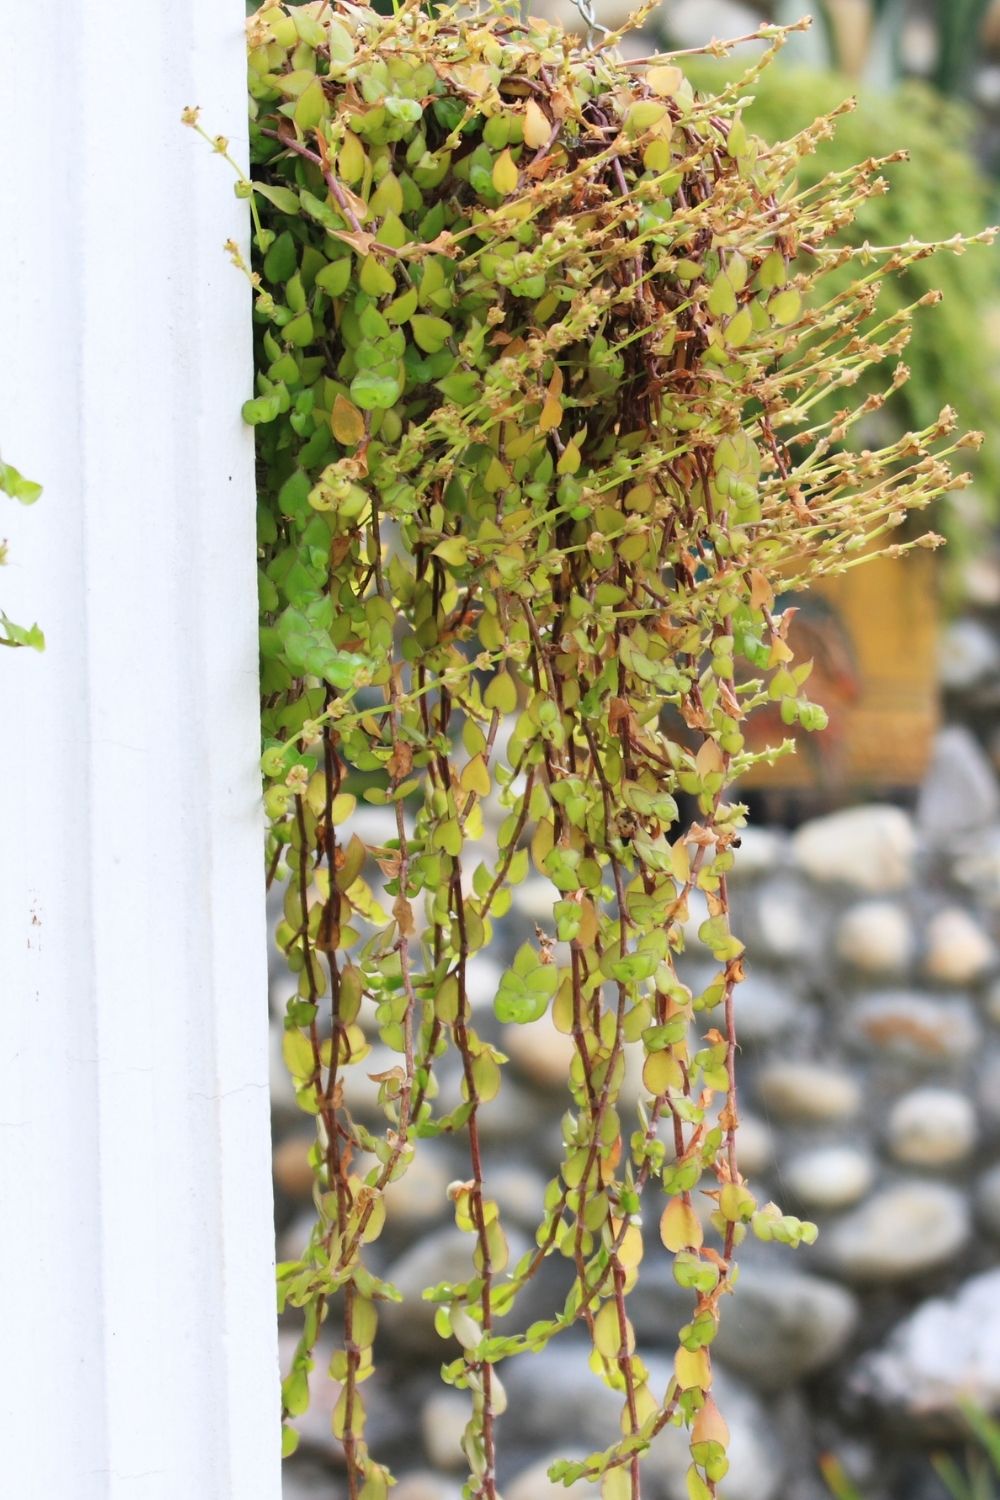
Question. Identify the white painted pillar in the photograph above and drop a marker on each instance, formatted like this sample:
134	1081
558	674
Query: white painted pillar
138	1348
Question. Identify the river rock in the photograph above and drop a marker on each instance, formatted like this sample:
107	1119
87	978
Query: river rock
482	980
875	937
901	1232
445	1255
761	851
755	1145
425	1485
766	1007
871	848
987	1097
780	1326
958	950
516	1112
808	1091
539	1051
533	1483
976	866
293	1175
981	572
388	1419
518	1190
302	1480
969	655
945	1353
988	1200
992	1002
960	792
914	1027
756	1453
556	1392
785	930
420	1196
361	1086
829	1177
932	1127
534	899
292	1240
444	1417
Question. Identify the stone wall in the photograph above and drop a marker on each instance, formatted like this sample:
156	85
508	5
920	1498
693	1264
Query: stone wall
870	1067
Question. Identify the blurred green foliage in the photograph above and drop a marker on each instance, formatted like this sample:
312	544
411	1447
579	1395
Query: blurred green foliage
976	1479
940	190
870	46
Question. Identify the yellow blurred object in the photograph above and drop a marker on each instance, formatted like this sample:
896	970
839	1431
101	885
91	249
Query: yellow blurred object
851	22
872	637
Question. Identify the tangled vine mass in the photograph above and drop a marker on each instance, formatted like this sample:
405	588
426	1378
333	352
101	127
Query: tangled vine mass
544	360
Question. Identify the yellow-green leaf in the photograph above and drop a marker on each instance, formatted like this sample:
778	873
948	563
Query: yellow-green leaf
536	125
551	414
693	1368
784	306
430	334
375	278
505	173
298	1054
501	694
311	107
664	81
387	197
569	459
453	551
351	159
346	422
680	1227
475	777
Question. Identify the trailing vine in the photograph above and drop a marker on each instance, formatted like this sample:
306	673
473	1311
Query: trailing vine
537	404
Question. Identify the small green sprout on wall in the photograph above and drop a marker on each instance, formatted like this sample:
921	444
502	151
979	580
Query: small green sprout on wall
15	485
543	360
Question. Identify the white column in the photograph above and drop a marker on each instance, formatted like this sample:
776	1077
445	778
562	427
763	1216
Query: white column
138	1349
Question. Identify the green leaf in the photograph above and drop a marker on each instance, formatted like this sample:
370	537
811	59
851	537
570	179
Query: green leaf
260	409
501	694
293	497
311	107
309	29
785	306
341	42
14	484
517	1003
282	259
335	277
17	635
374	392
285	200
453	550
299	331
342	669
375	278
295	1392
431	334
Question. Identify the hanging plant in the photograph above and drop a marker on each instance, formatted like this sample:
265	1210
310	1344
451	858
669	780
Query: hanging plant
537	382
